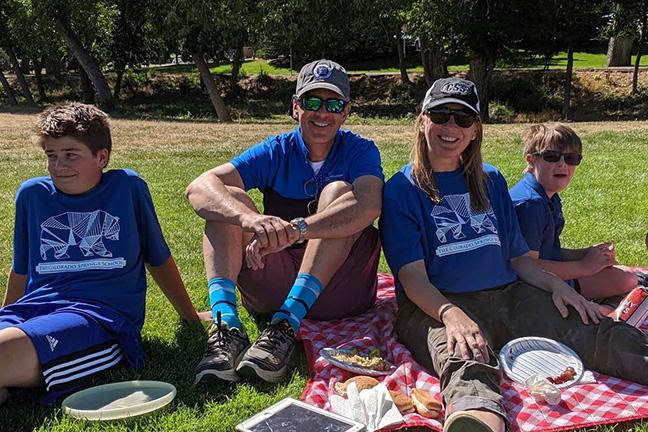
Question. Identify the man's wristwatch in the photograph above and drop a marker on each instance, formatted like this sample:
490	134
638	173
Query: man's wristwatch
302	226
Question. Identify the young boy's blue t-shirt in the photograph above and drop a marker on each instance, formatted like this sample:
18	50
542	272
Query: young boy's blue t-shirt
541	218
279	168
87	252
463	250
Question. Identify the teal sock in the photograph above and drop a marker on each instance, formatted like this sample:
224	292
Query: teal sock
301	297
222	298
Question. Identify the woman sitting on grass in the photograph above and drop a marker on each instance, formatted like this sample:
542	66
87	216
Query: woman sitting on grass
552	152
465	281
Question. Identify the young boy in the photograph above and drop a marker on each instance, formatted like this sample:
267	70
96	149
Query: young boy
552	152
75	296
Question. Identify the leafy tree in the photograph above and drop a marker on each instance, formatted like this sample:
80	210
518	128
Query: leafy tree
7	88
13	20
622	31
643	28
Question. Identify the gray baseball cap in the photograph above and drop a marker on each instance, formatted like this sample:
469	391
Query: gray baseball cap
323	74
452	90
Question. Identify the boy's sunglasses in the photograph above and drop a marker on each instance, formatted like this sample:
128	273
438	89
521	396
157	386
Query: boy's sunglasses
314	103
462	118
554	156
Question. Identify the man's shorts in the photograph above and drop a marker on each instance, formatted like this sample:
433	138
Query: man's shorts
351	291
71	347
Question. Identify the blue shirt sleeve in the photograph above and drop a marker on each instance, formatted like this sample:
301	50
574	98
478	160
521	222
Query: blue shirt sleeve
533	219
254	165
366	161
517	244
20	241
154	248
399	229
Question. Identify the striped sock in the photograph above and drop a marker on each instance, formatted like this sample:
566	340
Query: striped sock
301	297
222	298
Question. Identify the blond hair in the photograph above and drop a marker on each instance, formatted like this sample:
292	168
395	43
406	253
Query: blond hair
471	160
550	136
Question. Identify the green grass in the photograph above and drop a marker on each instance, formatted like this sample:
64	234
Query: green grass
603	203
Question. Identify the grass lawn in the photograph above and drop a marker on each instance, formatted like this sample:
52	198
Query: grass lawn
607	201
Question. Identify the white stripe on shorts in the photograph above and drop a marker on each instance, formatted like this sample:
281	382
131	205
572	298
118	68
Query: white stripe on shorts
109	357
85	358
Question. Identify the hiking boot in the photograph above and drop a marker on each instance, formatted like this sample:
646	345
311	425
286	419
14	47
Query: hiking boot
225	348
462	421
269	356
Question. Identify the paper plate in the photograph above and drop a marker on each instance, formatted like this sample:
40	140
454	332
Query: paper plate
527	356
119	400
328	354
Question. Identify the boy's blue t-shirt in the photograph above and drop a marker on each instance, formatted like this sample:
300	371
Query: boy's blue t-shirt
279	168
541	218
87	252
463	250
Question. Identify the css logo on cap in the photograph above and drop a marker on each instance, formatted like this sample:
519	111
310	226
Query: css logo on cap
457	88
323	71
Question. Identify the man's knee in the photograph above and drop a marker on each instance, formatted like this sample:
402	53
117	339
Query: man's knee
19	365
331	192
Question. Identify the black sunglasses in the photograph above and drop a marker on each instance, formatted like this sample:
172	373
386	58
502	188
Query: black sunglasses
462	118
554	156
314	103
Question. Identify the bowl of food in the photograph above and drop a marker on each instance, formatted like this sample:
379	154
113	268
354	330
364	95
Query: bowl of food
370	362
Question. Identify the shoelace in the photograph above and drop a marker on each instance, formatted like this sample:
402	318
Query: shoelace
221	337
274	336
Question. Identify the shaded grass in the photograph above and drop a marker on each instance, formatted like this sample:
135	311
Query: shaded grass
605	202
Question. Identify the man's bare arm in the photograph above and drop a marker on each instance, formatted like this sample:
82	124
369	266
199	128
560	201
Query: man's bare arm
16	284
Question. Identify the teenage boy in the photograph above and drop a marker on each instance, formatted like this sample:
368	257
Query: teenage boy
74	304
552	152
312	253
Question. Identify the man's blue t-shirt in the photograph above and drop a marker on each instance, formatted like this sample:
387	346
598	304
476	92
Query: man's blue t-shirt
463	250
279	168
540	217
87	252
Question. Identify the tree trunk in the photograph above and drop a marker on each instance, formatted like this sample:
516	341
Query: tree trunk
7	88
481	70
38	69
89	65
22	82
433	64
619	51
212	90
87	89
237	61
642	36
119	69
401	58
568	80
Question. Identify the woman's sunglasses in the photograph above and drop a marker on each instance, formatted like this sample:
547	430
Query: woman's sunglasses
554	156
314	103
462	118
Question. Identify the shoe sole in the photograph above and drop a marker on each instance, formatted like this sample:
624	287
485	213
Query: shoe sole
464	422
251	370
226	375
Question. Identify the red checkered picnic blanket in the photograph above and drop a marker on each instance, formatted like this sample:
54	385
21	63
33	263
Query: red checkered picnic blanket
609	400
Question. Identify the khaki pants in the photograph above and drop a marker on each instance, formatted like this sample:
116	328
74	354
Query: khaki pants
509	312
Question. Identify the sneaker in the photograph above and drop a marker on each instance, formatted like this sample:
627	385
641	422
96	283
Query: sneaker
270	355
225	348
462	421
642	277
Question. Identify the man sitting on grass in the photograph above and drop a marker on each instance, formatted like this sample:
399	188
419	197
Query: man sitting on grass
312	253
75	296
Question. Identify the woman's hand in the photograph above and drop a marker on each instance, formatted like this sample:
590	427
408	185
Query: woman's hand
464	332
564	295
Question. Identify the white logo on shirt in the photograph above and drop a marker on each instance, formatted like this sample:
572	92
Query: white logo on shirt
52	342
85	230
452	214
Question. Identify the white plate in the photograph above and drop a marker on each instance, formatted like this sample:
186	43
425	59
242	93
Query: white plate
328	354
527	356
119	400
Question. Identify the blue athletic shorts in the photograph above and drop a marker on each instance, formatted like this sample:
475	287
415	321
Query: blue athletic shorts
71	346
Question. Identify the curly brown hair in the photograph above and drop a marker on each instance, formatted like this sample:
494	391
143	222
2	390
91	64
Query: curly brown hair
85	123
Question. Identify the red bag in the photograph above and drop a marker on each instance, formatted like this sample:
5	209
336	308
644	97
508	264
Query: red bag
634	307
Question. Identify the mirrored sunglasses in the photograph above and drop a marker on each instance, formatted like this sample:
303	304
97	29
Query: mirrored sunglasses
554	156
314	103
462	118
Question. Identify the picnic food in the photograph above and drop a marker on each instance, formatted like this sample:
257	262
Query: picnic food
567	375
402	402
363	382
373	360
426	404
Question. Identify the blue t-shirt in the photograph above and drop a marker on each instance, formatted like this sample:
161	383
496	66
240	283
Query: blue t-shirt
87	252
279	168
540	217
463	250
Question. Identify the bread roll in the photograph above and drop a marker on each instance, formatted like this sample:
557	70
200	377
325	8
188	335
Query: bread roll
426	404
362	382
403	403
